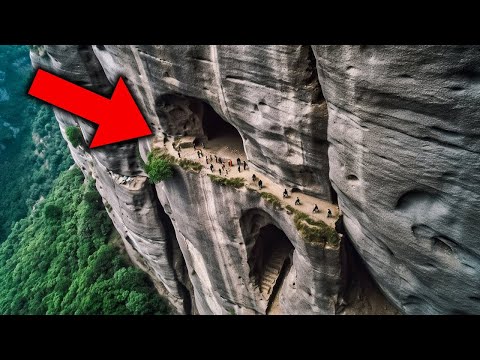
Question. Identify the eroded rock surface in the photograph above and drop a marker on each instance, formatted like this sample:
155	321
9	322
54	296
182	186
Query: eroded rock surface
392	130
404	133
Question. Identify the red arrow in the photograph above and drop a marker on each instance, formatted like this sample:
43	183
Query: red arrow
118	118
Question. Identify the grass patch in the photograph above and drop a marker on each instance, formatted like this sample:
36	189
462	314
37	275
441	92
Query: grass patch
233	182
159	166
272	199
313	231
190	165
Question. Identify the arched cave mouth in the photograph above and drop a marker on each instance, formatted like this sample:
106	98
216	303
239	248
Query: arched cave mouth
186	116
269	253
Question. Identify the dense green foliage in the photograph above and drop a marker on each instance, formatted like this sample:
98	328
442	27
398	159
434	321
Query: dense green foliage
32	150
58	260
159	166
74	135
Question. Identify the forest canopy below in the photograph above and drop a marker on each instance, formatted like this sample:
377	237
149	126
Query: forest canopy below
57	250
58	260
32	150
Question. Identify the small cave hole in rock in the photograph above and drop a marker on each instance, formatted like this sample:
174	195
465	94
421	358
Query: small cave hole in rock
296	190
441	246
100	47
352	178
333	195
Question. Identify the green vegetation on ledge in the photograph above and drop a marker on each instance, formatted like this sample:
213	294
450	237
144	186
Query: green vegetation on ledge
189	165
311	230
233	182
159	165
58	260
74	135
272	199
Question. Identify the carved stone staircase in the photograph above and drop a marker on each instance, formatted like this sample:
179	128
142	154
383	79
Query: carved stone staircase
272	271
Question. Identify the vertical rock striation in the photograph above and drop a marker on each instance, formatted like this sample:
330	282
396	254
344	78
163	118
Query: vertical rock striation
401	151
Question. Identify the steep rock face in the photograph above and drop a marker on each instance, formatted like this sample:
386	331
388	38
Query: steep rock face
404	136
207	246
402	154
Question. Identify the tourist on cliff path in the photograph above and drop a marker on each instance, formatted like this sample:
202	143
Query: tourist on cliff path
315	209
297	202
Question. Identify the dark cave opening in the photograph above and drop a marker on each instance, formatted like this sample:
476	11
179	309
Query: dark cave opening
186	116
269	254
270	261
220	133
333	196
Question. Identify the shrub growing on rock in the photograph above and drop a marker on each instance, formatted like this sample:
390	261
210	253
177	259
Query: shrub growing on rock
159	166
74	135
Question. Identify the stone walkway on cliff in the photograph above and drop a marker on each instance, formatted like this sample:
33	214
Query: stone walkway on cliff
231	149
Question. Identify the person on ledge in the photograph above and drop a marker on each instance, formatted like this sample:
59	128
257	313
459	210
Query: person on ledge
315	209
285	193
239	161
329	213
244	165
297	202
254	178
211	167
260	184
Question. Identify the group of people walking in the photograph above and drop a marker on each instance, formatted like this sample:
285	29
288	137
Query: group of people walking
219	160
209	160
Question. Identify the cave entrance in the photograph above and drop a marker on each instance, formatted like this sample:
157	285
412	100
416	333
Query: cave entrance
221	135
186	116
269	253
270	261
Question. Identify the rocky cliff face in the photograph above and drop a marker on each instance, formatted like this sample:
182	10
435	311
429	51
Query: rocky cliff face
391	130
